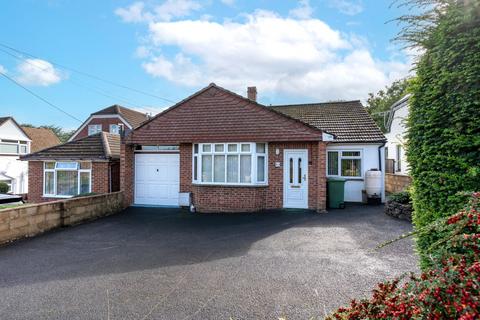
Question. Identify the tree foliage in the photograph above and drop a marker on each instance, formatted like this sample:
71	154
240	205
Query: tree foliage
61	133
378	104
443	148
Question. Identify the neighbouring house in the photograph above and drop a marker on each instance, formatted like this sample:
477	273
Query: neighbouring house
397	169
114	119
14	142
86	165
221	151
42	138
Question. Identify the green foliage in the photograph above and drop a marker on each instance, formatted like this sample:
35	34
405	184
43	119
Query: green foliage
61	133
443	148
450	289
400	197
379	104
4	187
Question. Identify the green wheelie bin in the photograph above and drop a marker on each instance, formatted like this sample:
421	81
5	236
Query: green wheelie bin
336	193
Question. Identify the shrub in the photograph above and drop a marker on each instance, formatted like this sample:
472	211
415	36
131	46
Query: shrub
4	187
449	290
443	148
402	197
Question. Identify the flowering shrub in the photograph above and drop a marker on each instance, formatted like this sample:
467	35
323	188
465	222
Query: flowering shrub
449	290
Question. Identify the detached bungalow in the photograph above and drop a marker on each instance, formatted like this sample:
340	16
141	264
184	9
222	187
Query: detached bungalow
219	151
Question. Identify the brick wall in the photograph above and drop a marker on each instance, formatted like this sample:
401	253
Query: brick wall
30	220
105	122
233	198
100	180
127	172
396	182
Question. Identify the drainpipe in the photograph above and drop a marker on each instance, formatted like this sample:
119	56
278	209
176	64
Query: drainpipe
380	168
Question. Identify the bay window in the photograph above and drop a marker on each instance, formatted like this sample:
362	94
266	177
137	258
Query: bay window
67	179
230	163
344	163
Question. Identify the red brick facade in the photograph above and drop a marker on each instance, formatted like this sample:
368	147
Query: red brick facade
105	122
241	198
100	180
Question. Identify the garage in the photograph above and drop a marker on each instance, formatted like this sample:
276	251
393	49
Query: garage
157	179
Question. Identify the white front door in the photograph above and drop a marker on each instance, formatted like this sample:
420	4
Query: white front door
157	179
295	179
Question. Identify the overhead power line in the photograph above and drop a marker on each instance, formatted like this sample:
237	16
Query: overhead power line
89	75
39	97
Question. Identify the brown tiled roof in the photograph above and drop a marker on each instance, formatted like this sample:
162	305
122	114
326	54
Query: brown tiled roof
347	120
100	146
133	117
42	138
215	114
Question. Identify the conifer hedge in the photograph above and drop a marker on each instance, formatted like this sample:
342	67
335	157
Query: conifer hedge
443	148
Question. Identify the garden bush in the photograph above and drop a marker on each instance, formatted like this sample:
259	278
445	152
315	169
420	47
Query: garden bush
443	148
449	290
4	187
402	197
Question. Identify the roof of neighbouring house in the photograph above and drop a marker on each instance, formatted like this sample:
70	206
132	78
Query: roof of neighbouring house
215	114
397	105
100	146
42	138
349	121
4	119
133	117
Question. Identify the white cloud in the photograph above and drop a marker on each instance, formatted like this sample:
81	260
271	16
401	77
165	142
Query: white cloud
152	111
280	55
228	2
169	9
2	69
37	72
303	11
348	7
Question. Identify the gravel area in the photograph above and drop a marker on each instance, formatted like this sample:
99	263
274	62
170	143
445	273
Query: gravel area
152	263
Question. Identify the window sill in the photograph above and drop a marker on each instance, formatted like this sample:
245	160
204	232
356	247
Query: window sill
54	196
230	185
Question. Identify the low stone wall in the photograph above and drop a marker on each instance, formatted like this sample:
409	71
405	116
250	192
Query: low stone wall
399	210
30	220
396	182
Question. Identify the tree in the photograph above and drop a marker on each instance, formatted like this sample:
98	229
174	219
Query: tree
443	148
379	104
61	133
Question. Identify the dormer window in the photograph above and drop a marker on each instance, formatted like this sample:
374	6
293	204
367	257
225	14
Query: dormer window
94	129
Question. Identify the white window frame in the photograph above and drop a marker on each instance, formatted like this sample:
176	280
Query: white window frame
55	170
18	143
340	157
253	165
94	129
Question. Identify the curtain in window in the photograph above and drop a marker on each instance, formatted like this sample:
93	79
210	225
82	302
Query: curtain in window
84	182
49	182
332	163
219	165
245	168
206	168
67	183
260	168
232	168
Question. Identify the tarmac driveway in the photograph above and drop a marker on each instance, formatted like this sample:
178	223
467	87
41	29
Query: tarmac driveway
150	263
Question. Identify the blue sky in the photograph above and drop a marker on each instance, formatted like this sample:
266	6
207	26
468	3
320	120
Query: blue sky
293	51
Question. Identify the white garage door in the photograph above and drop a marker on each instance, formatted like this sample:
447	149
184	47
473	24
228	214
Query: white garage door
157	179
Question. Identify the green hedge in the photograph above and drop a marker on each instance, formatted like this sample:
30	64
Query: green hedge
444	124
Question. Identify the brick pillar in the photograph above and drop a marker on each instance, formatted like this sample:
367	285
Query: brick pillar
100	177
322	177
127	169
35	181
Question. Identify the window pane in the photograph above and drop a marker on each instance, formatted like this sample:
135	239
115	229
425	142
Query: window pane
207	148
260	147
8	148
261	168
49	180
195	168
23	149
114	128
333	163
246	168
299	170
219	147
85	165
195	148
67	165
245	147
49	165
94	128
67	183
351	153
84	182
219	167
206	168
291	170
351	167
232	147
232	168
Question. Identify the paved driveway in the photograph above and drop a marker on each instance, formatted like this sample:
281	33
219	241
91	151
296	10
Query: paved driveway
148	263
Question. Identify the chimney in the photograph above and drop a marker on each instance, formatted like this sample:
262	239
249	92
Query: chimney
252	93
